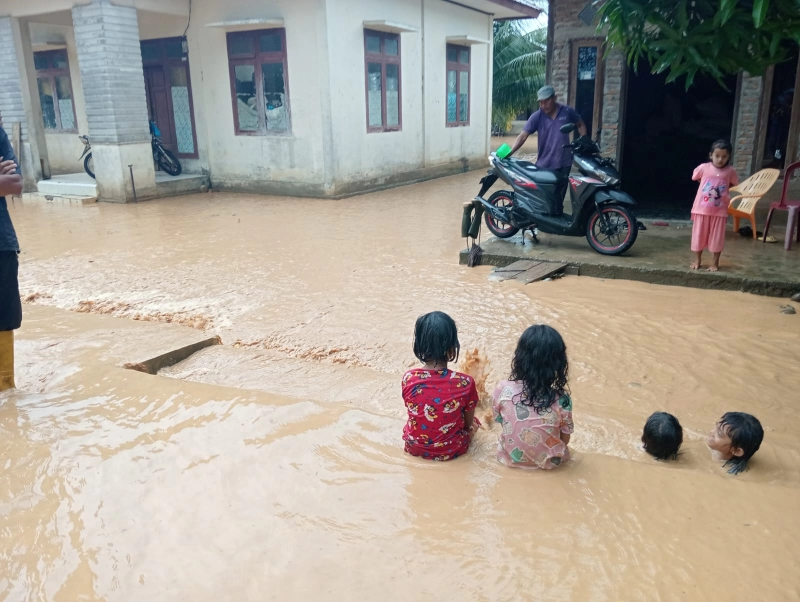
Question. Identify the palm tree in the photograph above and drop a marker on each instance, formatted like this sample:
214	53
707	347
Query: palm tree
519	70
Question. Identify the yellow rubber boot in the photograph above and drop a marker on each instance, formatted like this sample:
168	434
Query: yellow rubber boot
6	359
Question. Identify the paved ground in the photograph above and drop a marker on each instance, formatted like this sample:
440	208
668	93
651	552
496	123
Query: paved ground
661	256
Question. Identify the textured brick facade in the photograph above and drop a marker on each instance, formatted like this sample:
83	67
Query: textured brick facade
107	39
746	127
12	106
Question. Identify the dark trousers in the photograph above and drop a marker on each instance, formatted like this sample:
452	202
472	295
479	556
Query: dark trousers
561	190
10	305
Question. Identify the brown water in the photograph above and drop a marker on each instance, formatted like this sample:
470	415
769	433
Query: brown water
271	467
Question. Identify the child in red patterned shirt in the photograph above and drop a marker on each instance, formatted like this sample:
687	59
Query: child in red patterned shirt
440	402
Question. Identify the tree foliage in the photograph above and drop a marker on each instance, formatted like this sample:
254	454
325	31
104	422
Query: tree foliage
519	69
713	37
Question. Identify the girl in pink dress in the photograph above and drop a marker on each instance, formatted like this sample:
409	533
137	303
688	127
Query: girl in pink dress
534	408
710	209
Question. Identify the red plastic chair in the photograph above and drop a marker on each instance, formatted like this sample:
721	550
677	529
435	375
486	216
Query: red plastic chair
784	204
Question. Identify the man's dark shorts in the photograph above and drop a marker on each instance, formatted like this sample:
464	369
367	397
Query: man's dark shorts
10	306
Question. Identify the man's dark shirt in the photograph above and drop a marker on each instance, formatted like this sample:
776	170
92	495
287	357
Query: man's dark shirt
8	238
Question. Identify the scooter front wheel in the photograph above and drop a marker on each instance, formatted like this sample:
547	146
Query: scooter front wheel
612	230
501	198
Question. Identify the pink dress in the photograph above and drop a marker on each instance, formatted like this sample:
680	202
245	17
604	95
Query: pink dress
530	439
710	209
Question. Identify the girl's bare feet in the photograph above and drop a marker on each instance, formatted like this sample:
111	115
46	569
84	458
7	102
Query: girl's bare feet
694	265
713	268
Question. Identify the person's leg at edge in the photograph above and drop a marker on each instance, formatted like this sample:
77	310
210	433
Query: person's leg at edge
699	240
562	190
10	315
716	240
6	360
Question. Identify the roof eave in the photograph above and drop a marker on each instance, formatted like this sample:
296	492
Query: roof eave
525	11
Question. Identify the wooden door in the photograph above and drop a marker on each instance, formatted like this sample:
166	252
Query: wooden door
158	105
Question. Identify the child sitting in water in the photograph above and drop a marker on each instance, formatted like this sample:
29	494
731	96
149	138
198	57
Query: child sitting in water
534	407
662	436
440	402
734	440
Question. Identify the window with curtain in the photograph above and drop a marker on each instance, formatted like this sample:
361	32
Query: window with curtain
458	73
259	78
55	90
382	66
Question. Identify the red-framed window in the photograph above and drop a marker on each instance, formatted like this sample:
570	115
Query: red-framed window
383	81
168	87
259	82
55	90
458	76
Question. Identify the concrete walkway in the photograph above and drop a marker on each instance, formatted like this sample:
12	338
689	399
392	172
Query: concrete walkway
662	255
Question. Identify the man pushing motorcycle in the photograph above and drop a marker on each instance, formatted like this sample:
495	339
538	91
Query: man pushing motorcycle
547	121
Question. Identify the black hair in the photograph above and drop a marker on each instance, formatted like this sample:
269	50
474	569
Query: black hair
436	338
540	362
722	144
662	436
746	434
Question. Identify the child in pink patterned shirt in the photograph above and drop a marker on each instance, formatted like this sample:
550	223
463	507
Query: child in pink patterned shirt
710	209
534	408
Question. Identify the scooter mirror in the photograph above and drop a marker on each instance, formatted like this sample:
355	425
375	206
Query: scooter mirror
567	128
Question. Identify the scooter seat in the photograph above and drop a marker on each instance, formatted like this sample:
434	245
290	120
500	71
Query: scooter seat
539	175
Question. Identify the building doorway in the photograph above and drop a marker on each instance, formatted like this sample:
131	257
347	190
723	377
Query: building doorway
668	132
169	94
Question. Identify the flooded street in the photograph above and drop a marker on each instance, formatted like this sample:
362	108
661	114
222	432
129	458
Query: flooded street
271	467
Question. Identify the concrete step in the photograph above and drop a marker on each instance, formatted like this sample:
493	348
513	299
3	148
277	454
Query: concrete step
75	185
167	185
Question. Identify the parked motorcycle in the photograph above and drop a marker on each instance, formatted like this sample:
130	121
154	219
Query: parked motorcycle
163	157
600	210
88	164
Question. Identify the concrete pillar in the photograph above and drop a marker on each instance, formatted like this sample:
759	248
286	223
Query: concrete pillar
746	126
112	78
19	99
614	91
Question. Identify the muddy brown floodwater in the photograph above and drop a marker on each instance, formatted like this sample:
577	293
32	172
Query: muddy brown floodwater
271	467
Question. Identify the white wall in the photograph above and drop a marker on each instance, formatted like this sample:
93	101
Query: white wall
255	162
444	144
64	149
360	155
424	141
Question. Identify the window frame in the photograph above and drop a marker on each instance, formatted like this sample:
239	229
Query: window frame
458	67
384	59
166	62
597	110
51	73
257	59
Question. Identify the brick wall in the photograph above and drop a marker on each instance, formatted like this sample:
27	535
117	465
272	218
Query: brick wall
12	108
746	124
616	72
110	59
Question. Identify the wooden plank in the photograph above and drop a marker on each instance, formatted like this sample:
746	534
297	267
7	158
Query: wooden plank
519	266
539	272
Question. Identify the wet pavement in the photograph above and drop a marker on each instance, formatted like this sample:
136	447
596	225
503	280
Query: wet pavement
270	467
661	255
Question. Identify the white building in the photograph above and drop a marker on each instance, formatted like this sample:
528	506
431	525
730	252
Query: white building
305	97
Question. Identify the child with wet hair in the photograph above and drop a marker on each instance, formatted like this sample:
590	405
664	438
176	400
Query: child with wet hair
662	436
734	440
440	402
534	408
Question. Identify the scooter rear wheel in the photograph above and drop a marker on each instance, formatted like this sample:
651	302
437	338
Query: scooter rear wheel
501	198
612	230
88	165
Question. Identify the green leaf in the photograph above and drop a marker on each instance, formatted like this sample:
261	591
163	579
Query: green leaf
773	45
725	11
760	8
